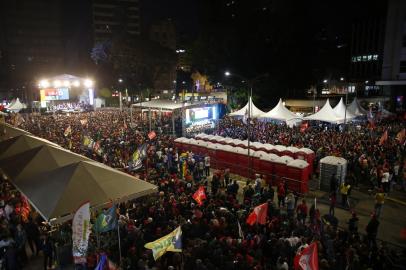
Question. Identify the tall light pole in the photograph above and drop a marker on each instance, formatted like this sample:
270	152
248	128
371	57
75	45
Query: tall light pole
345	112
250	86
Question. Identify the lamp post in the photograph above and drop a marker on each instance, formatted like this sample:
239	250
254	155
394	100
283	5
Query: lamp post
250	84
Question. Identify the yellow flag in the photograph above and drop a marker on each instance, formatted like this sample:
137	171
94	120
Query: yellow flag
170	242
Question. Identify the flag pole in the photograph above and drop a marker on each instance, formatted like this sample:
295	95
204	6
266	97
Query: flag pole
119	241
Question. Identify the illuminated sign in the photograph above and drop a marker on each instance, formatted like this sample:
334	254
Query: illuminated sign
54	94
199	114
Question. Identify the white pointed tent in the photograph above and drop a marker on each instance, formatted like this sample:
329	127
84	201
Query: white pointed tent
342	113
16	106
356	109
255	112
325	114
281	113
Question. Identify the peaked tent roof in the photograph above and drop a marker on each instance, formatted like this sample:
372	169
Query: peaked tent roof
280	112
255	112
8	131
69	186
342	113
17	106
20	144
325	114
356	109
39	159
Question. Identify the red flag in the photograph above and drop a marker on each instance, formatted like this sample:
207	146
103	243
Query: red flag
384	138
400	137
200	195
307	259
258	215
151	135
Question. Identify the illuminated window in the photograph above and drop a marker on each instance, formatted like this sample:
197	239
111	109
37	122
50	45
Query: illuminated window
354	59
358	58
375	57
369	57
364	58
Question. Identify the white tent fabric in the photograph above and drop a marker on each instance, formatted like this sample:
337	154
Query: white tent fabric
325	114
342	113
255	112
280	112
356	109
17	106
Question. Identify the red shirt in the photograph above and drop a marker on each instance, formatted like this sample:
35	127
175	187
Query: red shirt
302	208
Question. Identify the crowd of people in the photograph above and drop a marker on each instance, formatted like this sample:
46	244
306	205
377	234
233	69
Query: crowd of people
369	161
215	233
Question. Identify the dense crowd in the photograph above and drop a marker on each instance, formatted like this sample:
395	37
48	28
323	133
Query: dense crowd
211	235
359	144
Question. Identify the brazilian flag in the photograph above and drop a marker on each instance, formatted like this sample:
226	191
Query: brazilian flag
106	221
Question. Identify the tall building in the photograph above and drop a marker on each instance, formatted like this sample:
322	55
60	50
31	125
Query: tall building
393	80
164	32
30	42
115	17
378	54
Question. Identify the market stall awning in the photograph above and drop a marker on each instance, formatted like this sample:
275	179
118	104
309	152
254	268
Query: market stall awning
56	194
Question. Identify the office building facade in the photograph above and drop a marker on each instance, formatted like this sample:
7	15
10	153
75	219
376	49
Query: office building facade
115	18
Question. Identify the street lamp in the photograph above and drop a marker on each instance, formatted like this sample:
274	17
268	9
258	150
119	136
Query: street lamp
250	84
120	80
342	79
325	81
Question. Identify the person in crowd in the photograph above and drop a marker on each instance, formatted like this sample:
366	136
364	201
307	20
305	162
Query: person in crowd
385	181
372	230
207	165
333	183
344	189
48	250
379	201
353	223
333	200
281	194
302	212
290	204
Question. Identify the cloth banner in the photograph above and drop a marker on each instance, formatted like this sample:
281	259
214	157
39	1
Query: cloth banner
170	242
80	233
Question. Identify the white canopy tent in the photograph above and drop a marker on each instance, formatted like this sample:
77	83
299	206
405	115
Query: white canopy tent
254	111
281	113
16	106
325	114
342	113
356	109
